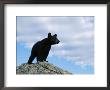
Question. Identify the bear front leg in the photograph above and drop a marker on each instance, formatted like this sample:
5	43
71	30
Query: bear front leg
45	57
31	58
39	59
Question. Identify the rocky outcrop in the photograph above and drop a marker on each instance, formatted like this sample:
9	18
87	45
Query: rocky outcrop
40	68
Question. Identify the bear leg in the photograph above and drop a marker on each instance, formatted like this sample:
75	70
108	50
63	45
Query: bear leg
45	57
31	58
39	58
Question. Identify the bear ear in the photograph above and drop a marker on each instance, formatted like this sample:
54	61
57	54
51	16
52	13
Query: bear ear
55	35
49	35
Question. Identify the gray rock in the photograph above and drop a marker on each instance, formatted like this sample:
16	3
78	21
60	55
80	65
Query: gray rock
40	68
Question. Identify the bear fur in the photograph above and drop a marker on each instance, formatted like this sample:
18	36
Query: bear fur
40	50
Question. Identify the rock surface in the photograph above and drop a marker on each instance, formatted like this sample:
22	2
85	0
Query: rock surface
40	68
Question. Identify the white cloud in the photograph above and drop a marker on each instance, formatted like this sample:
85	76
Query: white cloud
76	35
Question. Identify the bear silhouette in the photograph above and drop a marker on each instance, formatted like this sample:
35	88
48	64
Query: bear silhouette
40	50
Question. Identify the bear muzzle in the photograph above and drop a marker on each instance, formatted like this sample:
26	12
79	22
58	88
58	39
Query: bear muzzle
57	41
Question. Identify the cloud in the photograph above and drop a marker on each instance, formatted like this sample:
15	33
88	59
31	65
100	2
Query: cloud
76	35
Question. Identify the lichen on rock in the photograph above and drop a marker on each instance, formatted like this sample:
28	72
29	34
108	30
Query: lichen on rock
40	68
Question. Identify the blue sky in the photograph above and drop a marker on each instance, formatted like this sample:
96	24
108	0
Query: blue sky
74	53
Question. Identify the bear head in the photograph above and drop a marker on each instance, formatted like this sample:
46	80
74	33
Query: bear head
53	39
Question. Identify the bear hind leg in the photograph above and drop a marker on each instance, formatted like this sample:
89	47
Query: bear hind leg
31	58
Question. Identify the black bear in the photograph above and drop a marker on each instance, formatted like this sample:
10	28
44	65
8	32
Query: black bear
41	49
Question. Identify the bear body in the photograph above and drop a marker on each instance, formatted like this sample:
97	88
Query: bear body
40	50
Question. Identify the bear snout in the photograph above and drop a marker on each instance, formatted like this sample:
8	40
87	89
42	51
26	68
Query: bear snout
57	41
